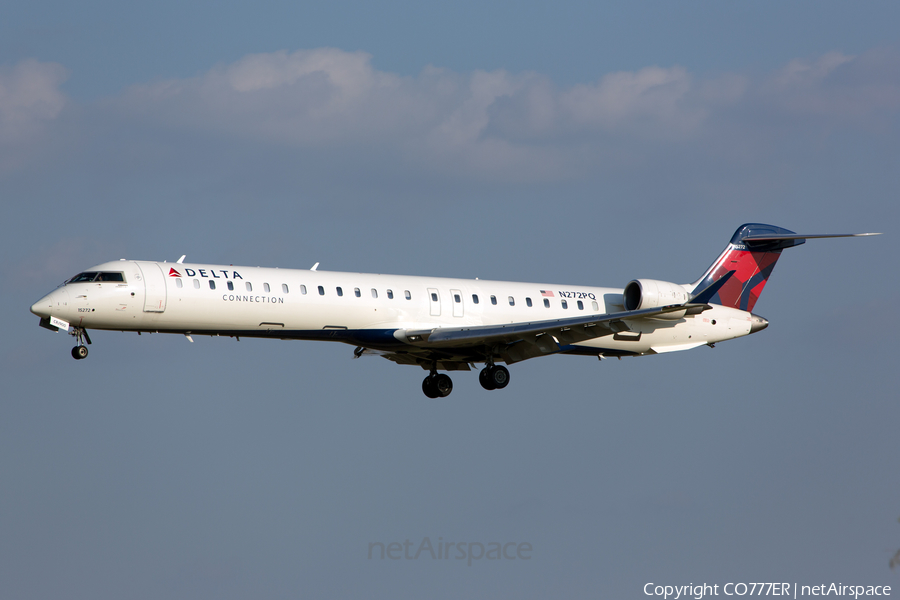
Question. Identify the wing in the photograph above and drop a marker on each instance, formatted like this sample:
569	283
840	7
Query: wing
515	342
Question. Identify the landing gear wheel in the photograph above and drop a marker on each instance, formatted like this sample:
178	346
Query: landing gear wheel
81	336
429	388
484	378
500	376
494	377
437	386
443	384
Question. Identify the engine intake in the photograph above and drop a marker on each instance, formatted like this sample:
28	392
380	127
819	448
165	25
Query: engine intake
650	293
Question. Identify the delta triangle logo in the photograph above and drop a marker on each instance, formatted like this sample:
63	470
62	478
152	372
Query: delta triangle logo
174	273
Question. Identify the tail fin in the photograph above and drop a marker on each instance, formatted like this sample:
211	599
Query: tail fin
751	254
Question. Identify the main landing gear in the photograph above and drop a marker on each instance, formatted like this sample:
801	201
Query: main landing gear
439	385
494	377
80	351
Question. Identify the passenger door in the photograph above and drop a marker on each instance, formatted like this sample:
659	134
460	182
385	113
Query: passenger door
456	298
154	287
434	299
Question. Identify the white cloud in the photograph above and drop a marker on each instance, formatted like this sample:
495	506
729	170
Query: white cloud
29	97
809	73
314	96
495	125
30	100
837	87
621	98
484	122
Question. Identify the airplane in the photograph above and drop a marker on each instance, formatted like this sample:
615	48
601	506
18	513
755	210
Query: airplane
439	324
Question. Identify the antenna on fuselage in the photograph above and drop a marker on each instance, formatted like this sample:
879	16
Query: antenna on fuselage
314	267
181	260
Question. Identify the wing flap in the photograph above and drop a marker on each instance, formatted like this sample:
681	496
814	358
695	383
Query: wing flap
545	336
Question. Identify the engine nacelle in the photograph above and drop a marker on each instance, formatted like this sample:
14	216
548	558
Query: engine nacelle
650	293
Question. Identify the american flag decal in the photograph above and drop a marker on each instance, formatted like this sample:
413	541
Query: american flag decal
547	293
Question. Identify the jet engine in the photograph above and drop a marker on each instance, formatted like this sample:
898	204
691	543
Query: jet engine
650	293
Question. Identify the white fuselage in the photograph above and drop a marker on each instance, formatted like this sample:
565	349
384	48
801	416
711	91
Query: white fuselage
358	308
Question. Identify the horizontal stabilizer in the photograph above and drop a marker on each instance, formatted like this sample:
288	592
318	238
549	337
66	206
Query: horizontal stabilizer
765	238
798	236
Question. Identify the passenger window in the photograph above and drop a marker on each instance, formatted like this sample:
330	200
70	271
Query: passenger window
580	305
407	294
266	287
456	298
494	300
196	284
284	288
178	283
434	297
594	305
528	302
565	304
374	293
321	291
512	301
340	290
249	286
390	294
212	284
230	286
474	298
356	292
546	303
303	289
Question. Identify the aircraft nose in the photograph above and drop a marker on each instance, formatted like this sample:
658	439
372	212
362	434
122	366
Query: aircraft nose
42	307
52	302
757	323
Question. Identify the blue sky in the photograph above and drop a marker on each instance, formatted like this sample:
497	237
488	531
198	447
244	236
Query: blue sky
576	142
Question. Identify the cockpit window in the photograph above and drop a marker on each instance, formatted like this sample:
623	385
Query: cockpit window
111	277
89	276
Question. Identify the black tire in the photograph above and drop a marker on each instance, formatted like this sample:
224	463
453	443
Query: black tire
429	387
443	385
79	352
484	378
499	377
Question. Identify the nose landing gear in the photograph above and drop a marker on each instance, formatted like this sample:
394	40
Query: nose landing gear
80	351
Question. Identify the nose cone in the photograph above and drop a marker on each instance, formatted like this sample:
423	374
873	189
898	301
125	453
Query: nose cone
757	323
54	302
42	307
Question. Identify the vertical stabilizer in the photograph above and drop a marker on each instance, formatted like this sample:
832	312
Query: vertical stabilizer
752	263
